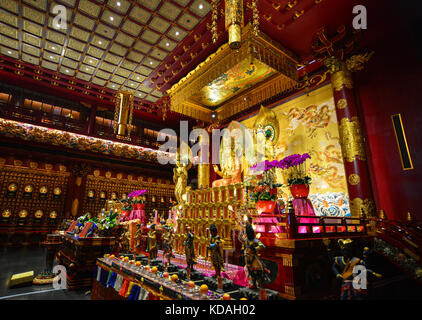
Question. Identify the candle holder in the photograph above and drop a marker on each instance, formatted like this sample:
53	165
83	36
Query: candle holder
203	292
191	287
138	266
174	279
154	272
165	276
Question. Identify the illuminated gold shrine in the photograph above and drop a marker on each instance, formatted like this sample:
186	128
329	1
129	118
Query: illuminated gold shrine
236	80
228	81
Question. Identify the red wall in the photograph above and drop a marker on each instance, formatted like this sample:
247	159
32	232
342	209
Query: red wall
391	83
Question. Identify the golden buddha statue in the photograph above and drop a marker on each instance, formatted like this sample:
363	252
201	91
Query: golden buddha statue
180	177
267	131
236	150
152	243
231	168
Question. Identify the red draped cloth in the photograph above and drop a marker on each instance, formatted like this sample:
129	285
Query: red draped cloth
304	207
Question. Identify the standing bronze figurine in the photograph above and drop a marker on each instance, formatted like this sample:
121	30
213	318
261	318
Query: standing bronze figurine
152	244
215	247
257	271
189	251
346	269
167	246
138	236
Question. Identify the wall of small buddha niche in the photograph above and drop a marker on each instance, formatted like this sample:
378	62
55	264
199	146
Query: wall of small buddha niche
104	184
36	196
32	200
308	124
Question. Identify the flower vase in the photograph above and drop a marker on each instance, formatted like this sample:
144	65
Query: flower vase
299	191
265	206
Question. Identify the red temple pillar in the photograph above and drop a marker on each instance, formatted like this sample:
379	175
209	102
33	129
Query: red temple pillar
351	140
92	120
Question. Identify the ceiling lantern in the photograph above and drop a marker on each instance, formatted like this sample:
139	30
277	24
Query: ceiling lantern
234	22
204	94
123	114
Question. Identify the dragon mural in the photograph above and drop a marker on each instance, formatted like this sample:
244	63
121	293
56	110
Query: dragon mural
308	123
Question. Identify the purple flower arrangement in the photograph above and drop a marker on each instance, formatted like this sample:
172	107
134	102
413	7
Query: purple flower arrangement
265	165
296	168
285	163
293	164
136	193
293	160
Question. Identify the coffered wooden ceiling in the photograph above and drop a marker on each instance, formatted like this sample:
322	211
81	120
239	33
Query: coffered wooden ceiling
111	43
143	46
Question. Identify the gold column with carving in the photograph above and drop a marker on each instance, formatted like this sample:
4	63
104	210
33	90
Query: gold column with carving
123	114
203	168
351	138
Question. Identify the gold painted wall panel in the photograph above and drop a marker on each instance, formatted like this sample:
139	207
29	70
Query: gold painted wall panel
159	196
309	124
40	192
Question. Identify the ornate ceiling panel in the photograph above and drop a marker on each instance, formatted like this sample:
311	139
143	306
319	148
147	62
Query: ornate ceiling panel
112	43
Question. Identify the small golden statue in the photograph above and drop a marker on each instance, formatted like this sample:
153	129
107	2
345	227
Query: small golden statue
138	236
231	168
180	178
152	244
124	241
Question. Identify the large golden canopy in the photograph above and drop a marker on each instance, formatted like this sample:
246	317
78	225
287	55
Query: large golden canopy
228	81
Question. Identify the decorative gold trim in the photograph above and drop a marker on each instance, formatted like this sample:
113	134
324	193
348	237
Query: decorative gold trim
368	206
354	179
342	104
256	95
341	76
405	141
351	140
10	128
340	79
289	290
357	61
34	171
203	175
287	260
138	183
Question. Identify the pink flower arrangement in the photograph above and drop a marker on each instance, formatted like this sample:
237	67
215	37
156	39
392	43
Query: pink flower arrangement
136	193
265	165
